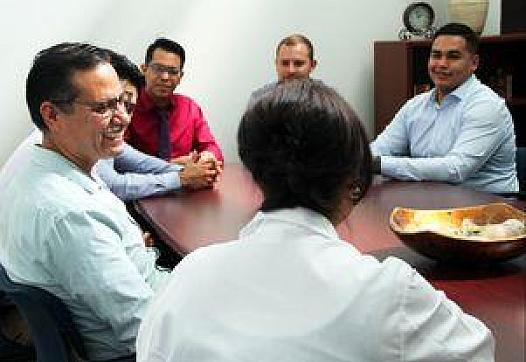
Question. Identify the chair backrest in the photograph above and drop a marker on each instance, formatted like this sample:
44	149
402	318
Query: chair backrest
520	160
52	330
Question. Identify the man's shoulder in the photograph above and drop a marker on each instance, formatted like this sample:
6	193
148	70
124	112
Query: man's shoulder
181	99
258	93
483	91
42	184
265	88
474	90
420	98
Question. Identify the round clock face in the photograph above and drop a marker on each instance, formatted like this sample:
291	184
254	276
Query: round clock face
418	17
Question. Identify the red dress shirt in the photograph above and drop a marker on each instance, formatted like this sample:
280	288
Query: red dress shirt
188	127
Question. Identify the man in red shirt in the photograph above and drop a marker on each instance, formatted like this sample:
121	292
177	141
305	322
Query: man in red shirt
165	124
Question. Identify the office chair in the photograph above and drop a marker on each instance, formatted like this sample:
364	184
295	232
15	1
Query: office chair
52	330
12	351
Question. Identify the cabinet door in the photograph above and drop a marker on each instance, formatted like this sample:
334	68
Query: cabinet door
513	16
391	81
400	71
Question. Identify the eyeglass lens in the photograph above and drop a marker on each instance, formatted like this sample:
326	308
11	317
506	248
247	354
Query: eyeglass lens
160	69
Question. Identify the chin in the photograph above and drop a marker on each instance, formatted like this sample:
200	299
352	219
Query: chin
114	151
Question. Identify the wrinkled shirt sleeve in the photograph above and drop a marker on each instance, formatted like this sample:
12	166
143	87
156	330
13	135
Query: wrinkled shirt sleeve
133	175
90	260
203	138
394	140
434	328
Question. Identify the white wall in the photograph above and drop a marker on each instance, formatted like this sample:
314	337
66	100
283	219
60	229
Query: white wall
230	47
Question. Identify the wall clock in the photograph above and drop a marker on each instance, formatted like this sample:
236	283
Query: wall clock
418	21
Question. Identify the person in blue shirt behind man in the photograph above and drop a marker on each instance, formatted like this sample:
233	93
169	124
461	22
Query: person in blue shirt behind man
459	132
133	174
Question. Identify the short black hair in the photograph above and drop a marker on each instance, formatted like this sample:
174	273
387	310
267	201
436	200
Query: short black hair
462	30
126	69
296	39
304	146
51	74
166	45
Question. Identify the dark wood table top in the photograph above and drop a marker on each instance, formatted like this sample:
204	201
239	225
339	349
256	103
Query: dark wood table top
495	294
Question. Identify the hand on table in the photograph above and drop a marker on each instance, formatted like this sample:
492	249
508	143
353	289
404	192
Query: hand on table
199	175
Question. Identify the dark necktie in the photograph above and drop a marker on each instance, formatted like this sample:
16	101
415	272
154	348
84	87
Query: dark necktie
165	145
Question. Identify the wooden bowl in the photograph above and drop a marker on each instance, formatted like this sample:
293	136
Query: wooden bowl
435	233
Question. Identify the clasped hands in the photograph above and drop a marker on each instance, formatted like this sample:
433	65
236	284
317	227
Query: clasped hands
201	170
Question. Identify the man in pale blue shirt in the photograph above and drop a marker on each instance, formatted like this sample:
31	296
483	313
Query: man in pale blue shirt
62	229
459	132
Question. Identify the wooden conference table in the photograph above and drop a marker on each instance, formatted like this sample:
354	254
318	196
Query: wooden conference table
495	294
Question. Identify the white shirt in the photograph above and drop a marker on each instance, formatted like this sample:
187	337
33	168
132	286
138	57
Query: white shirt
290	290
467	139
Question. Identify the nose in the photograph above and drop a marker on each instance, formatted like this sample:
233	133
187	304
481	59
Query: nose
164	75
120	115
441	61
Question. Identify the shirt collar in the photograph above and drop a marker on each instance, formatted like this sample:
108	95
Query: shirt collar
298	216
53	161
145	102
460	92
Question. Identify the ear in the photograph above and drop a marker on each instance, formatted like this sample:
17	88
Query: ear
474	63
49	114
355	194
314	63
143	68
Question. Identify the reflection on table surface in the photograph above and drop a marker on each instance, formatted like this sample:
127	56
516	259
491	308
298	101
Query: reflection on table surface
496	294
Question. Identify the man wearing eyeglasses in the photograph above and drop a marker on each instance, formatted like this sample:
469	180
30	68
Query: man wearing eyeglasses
167	125
62	229
132	174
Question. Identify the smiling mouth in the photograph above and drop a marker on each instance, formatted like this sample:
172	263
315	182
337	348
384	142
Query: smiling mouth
441	75
164	88
115	132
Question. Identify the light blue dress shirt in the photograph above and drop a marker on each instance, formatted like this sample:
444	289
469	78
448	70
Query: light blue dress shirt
133	174
469	139
65	232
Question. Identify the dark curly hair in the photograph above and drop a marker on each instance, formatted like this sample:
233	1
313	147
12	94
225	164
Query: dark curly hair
305	146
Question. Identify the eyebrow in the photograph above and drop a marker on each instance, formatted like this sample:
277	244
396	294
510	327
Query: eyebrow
447	51
108	99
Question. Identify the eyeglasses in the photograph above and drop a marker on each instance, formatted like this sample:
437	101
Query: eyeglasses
160	69
129	107
105	109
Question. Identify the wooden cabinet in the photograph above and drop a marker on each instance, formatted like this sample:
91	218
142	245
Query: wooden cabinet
513	16
400	72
